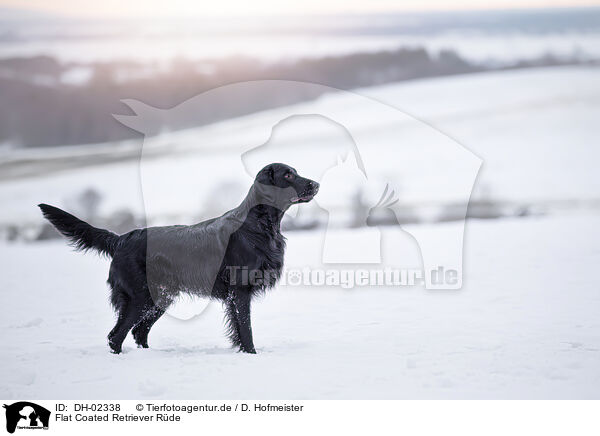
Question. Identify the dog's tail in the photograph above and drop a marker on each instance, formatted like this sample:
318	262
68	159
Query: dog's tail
81	235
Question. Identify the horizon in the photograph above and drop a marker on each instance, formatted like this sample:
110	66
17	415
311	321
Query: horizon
264	9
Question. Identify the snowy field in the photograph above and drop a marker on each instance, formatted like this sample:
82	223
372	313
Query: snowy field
525	325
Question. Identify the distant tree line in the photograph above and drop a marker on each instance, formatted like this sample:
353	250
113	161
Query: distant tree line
39	109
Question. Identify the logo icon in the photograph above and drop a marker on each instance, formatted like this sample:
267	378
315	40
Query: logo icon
26	415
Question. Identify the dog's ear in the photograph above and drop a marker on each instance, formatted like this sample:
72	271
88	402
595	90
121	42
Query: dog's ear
271	173
266	176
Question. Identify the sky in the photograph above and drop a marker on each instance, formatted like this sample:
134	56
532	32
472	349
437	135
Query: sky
187	8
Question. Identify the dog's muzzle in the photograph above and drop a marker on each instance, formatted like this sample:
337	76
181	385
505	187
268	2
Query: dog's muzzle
308	194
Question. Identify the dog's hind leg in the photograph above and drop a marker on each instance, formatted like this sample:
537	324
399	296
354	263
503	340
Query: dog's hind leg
120	302
129	314
142	328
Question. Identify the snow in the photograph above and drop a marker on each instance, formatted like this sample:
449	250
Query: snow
524	326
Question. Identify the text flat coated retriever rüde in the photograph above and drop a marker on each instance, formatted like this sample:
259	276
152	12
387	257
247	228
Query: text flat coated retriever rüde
230	258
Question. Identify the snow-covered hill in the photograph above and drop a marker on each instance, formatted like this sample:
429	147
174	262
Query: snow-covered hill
535	130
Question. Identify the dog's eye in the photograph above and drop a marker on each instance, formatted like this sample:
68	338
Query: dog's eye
289	176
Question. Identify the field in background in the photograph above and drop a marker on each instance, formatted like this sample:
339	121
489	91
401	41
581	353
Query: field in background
62	78
535	131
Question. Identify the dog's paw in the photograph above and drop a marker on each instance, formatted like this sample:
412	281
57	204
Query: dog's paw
114	348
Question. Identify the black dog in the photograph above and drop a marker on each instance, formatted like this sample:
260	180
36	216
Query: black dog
230	258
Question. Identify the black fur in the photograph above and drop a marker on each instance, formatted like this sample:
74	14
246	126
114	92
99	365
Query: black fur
152	266
81	235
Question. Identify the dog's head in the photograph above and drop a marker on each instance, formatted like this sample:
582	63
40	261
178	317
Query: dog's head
287	183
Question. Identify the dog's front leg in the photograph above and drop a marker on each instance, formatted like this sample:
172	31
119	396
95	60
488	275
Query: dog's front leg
241	301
